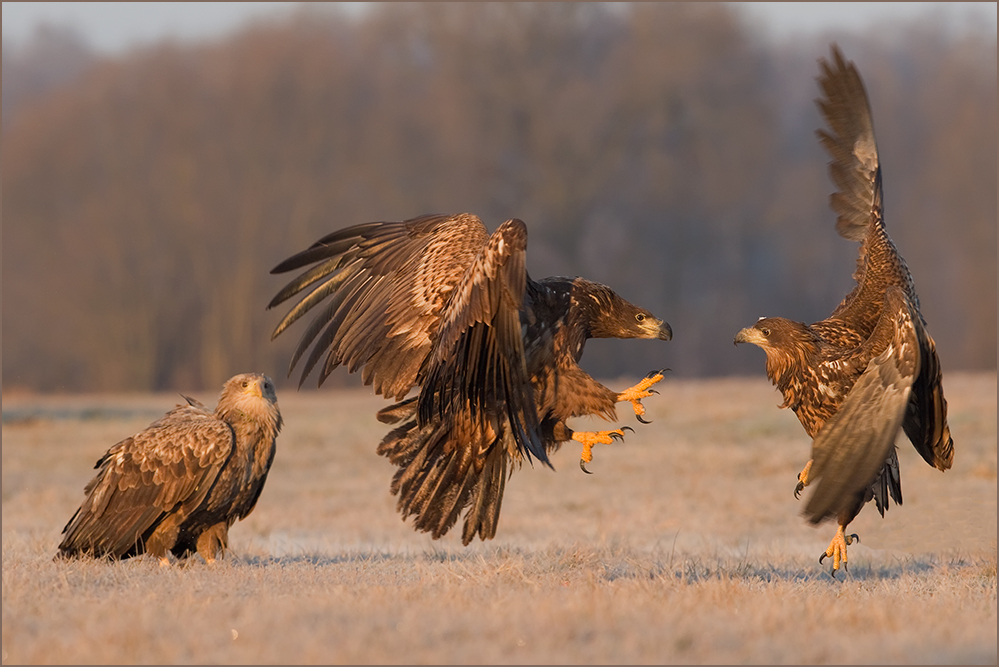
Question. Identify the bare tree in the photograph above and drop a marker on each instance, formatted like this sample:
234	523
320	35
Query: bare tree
656	147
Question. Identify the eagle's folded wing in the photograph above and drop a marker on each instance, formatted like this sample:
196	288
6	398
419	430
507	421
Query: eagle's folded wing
851	449
170	466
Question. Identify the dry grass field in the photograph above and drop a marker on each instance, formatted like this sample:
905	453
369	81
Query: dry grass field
685	546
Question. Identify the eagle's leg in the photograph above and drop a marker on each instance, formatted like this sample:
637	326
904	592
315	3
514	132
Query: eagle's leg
163	539
213	542
837	548
590	438
634	395
802	479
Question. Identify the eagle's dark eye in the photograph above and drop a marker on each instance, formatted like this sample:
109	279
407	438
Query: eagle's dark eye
766	332
245	384
640	317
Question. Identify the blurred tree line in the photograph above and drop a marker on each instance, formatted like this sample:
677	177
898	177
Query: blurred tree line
659	148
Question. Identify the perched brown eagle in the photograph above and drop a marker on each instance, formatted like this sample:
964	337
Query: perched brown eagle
438	302
871	367
180	484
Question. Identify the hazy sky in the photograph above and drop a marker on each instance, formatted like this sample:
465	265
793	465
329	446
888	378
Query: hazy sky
113	27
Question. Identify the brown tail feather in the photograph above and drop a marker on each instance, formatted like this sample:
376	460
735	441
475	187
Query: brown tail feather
439	478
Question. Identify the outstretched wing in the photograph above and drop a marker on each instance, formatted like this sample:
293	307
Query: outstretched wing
434	301
477	370
856	170
858	203
851	448
850	142
383	287
169	466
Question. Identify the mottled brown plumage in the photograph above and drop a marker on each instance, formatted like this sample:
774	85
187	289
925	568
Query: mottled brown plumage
438	303
856	377
181	483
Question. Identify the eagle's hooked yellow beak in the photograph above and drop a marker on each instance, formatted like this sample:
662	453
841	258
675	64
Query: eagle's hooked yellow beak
665	331
254	389
750	335
658	329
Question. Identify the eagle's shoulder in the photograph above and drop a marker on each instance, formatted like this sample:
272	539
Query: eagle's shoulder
189	432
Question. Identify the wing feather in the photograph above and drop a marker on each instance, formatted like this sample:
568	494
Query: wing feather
306	304
926	418
854	168
339	309
330	246
384	285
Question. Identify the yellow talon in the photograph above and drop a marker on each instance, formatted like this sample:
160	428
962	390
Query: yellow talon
802	480
634	395
586	455
837	548
590	438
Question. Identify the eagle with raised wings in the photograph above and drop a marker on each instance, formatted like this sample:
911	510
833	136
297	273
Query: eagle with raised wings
179	485
439	303
871	367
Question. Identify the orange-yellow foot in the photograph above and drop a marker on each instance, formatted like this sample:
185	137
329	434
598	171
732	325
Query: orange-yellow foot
634	395
802	480
590	438
837	548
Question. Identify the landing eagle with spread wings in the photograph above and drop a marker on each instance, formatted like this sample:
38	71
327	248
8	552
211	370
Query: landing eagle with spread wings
437	302
179	485
871	367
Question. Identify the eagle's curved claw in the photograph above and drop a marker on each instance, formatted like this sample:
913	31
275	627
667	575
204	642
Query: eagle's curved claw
846	568
837	550
634	395
615	435
590	438
802	480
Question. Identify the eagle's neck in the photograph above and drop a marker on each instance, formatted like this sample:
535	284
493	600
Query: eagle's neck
251	418
255	423
788	364
575	335
588	303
